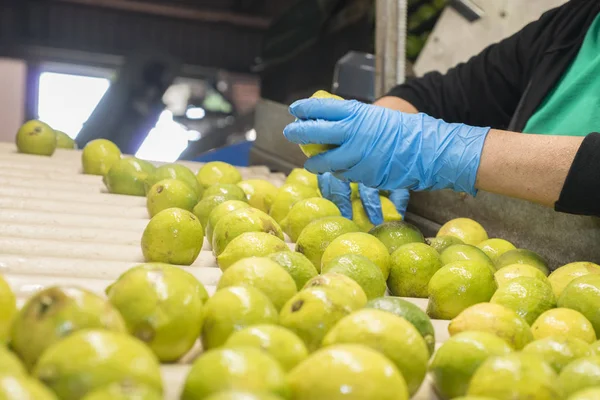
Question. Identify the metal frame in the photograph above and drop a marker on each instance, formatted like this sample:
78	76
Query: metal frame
390	46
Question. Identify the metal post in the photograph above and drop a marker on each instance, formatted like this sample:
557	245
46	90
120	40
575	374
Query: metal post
390	46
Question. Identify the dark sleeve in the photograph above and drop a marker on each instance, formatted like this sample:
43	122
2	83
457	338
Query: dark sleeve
485	90
581	192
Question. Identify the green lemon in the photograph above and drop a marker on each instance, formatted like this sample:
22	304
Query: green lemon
586	394
302	177
457	286
174	171
88	360
228	189
124	391
342	284
595	348
173	236
240	221
583	294
56	312
347	371
515	376
36	137
281	344
170	193
455	362
495	319
580	374
459	252
313	311
317	236
506	274
494	248
259	193
263	274
312	149
286	197
231	309
64	141
219	212
215	172
393	336
362	244
237	395
360	217
467	230
397	233
126	176
563	322
522	256
411	268
409	311
250	244
297	265
562	276
529	297
98	156
304	212
360	269
162	306
8	309
441	243
205	206
10	363
22	387
239	368
558	351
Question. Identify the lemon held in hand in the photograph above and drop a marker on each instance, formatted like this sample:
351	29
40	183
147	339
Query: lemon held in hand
313	149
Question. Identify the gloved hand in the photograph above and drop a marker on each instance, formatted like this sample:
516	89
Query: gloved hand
339	192
388	149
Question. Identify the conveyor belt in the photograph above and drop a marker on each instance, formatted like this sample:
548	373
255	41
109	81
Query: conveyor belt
58	227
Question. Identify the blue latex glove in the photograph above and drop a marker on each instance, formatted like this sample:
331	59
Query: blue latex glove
339	192
388	149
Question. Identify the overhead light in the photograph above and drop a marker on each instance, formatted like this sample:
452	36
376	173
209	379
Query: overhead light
195	113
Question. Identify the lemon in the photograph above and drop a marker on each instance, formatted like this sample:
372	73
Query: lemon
205	206
173	236
232	309
580	374
230	190
317	236
313	149
174	171
281	344
19	387
411	269
515	376
459	252
8	309
563	322
494	248
397	233
297	265
98	156
595	348
360	217
441	243
126	176
393	336
583	294
239	368
467	230
215	172
522	256
304	212
170	193
219	212
10	363
529	297
347	371
562	276
558	351
586	394
250	244
457	286
360	269
286	197
506	274
263	274
259	193
362	244
458	358
124	391
241	395
342	284
64	141
303	177
496	319
36	137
